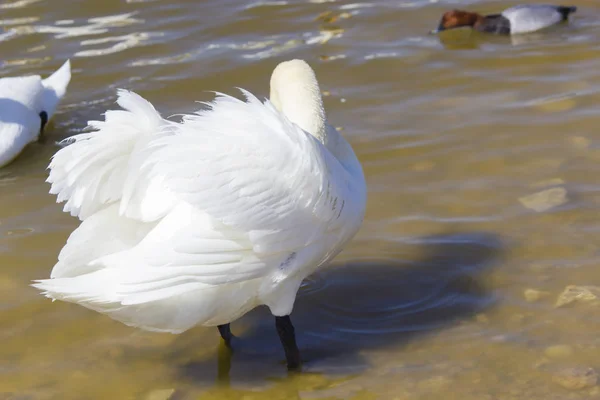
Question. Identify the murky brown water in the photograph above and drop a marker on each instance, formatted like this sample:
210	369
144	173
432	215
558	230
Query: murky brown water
435	298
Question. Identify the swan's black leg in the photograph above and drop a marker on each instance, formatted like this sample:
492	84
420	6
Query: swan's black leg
285	329
225	331
44	121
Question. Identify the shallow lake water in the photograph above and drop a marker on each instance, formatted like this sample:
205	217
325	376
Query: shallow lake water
482	157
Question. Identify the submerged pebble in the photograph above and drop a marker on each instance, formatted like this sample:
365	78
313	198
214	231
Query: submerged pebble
545	200
533	295
576	378
161	394
572	293
558	351
580	142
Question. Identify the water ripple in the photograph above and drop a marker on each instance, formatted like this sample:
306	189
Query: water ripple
95	26
18	4
123	42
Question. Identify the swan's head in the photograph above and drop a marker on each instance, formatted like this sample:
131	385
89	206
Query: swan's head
295	93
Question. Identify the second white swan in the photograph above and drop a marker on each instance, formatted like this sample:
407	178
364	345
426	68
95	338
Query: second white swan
27	103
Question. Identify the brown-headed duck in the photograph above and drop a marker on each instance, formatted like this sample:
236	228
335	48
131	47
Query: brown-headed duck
519	19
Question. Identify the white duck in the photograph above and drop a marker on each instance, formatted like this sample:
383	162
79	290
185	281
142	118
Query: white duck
26	105
197	223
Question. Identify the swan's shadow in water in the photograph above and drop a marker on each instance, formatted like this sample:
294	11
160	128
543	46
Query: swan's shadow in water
356	306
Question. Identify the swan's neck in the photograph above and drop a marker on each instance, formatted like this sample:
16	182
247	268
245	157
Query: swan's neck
300	101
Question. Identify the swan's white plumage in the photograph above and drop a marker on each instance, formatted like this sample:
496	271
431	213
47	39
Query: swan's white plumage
22	99
200	221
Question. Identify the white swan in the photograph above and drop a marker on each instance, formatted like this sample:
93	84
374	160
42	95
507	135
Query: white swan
26	105
196	223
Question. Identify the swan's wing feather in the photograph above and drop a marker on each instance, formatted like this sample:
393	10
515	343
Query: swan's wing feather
249	167
186	246
97	237
90	172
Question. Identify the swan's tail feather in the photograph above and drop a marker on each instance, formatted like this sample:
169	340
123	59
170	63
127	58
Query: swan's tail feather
95	291
170	309
91	172
55	87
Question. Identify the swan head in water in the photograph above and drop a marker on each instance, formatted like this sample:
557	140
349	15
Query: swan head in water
295	93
